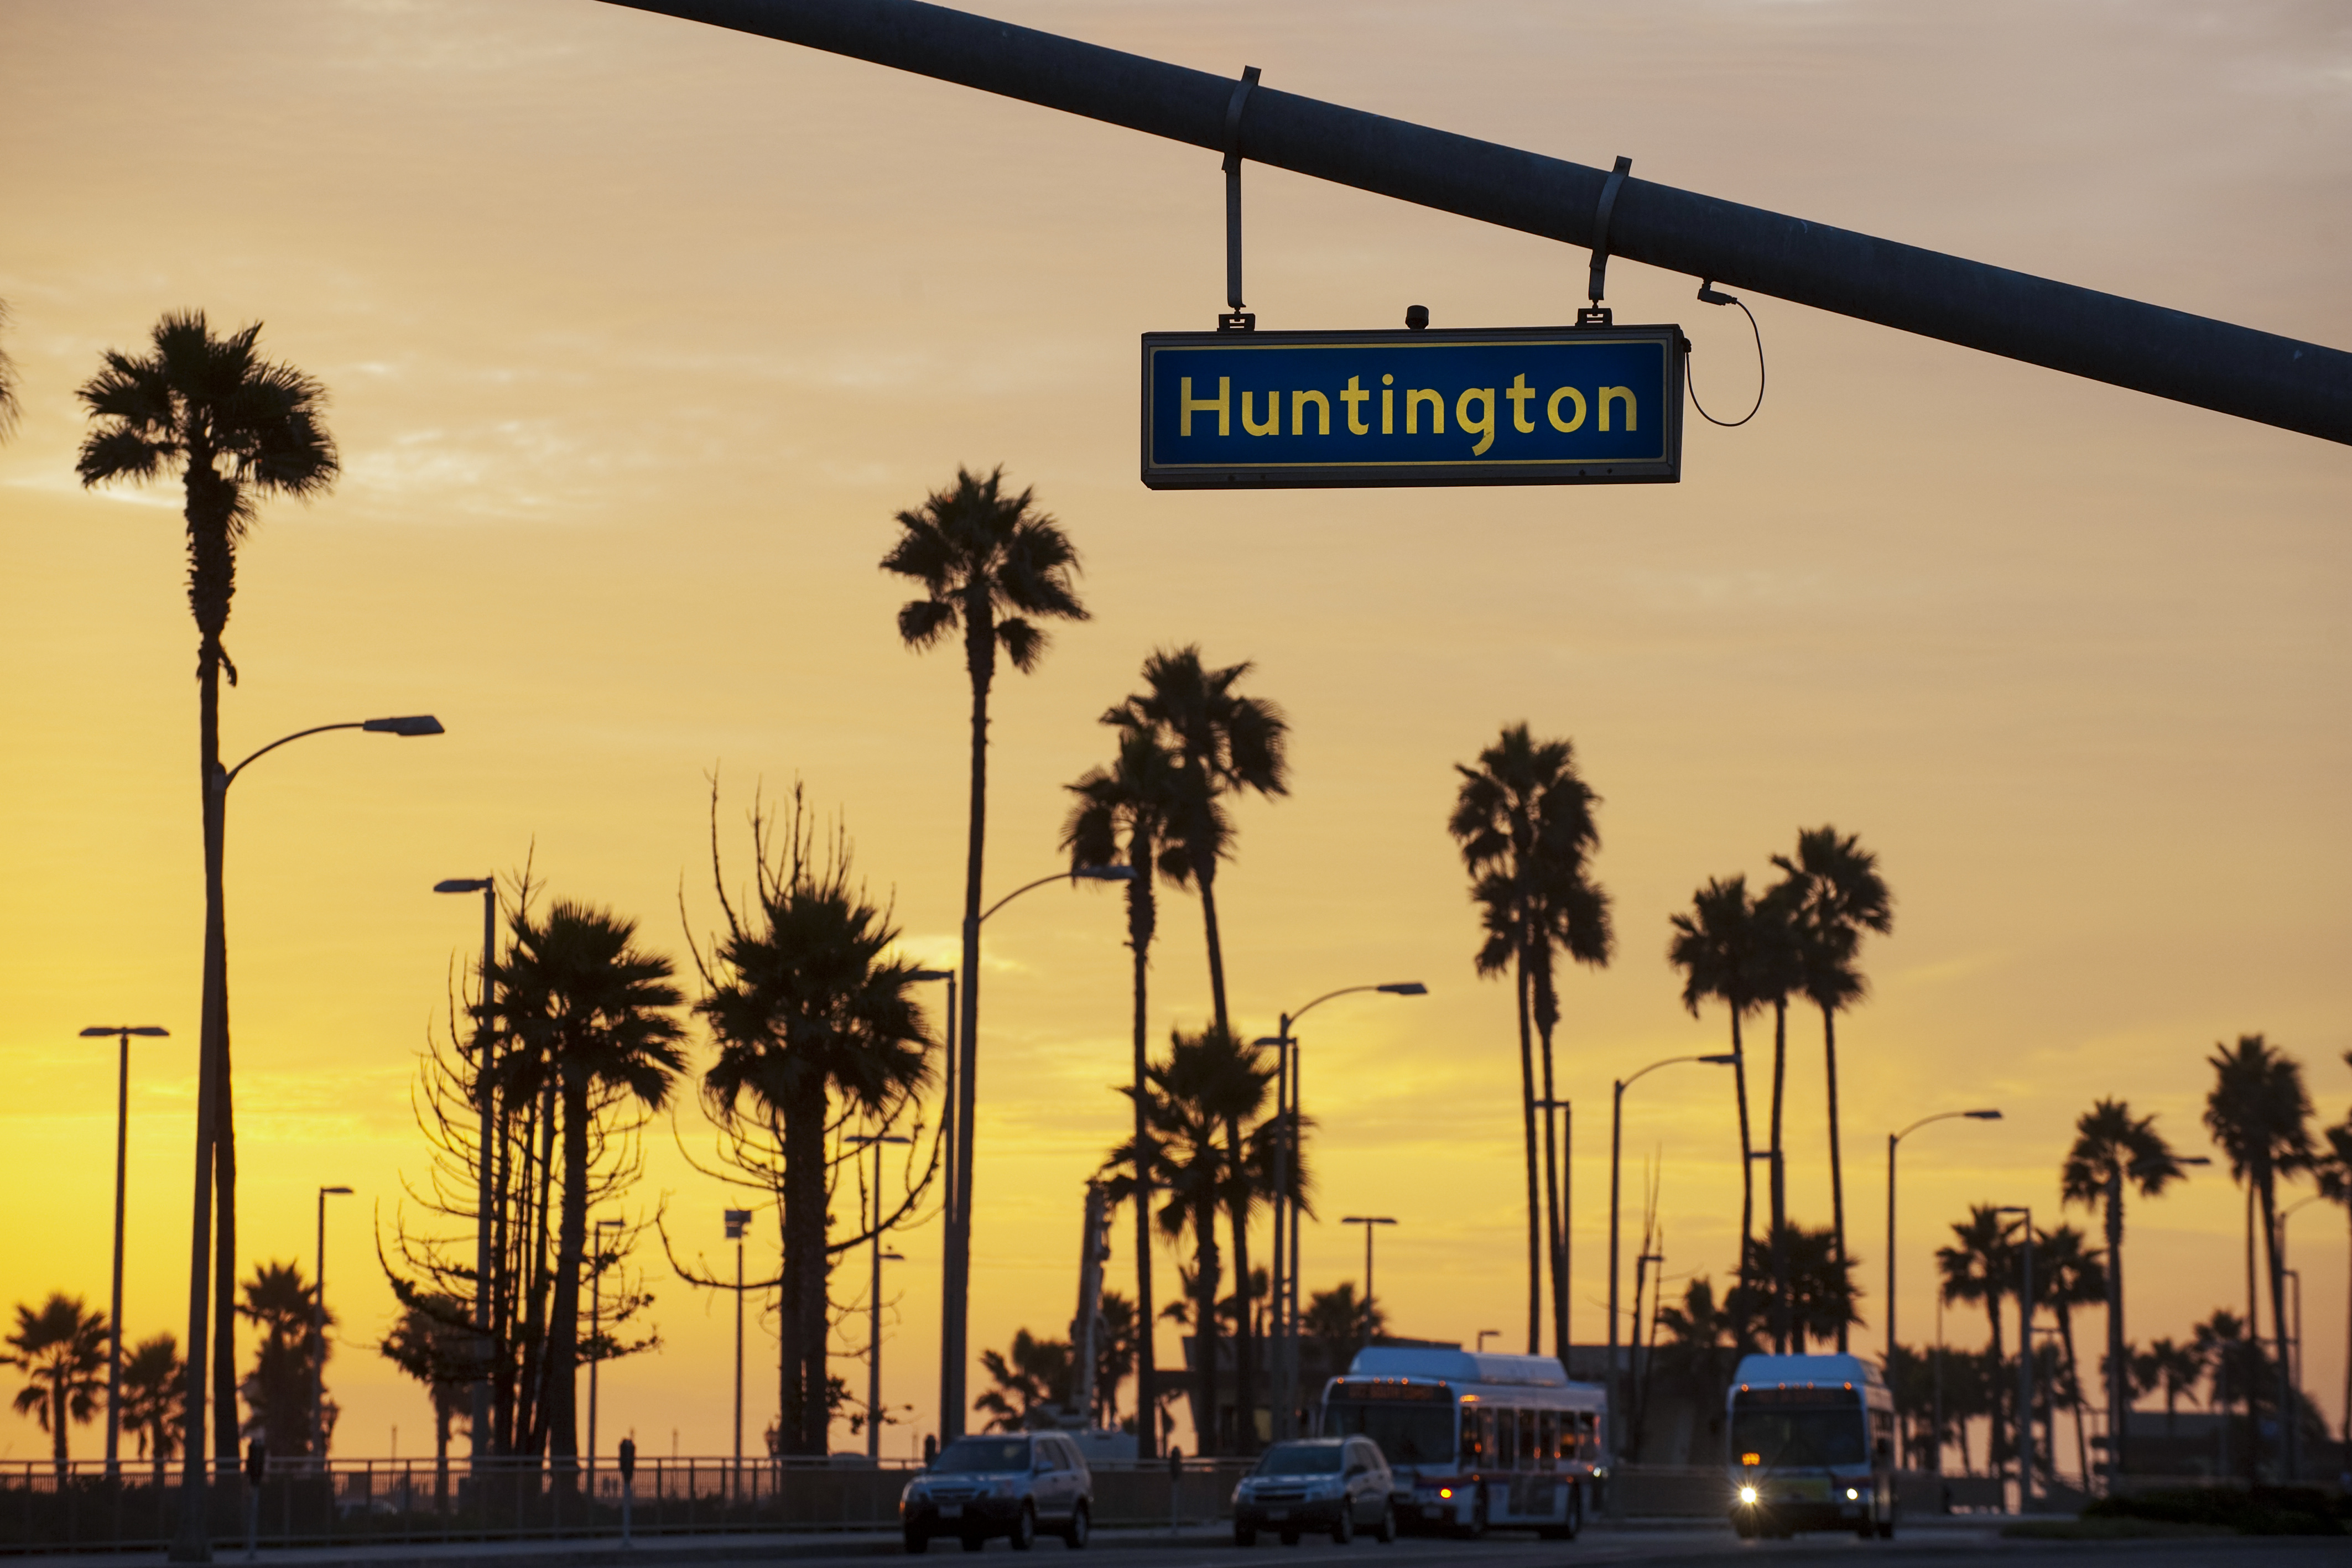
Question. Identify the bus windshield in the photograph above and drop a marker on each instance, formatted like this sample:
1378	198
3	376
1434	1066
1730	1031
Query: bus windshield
1408	1434
1799	1438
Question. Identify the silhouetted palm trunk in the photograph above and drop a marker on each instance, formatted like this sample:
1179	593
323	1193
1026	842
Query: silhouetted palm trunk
2288	1465
1142	922
1837	1166
563	1313
1780	1181
2119	1375
1204	1319
1546	1012
980	663
2075	1381
802	1428
1205	872
1747	1143
1527	1134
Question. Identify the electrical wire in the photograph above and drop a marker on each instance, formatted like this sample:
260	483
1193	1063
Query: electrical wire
1693	378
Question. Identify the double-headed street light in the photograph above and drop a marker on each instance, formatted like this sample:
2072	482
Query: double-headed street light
1895	1141
121	1151
737	1221
874	1305
1289	1201
479	1434
1370	1222
318	1333
956	1284
1616	1143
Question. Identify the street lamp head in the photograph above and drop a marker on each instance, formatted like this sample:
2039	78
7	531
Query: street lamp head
894	1258
1404	988
1981	1115
916	975
108	1031
463	884
2192	1159
410	724
1260	1042
738	1220
1368	1219
334	1192
1102	873
1725	1059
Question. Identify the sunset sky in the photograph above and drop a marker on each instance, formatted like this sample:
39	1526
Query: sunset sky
639	332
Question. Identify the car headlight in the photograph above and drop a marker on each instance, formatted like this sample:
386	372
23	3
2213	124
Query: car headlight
1004	1488
1747	1495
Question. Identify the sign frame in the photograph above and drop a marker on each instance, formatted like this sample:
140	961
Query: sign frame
1665	469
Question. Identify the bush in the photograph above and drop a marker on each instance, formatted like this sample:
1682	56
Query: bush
2259	1511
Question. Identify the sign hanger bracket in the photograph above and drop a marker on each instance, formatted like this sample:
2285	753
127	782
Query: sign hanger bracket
1236	319
1597	314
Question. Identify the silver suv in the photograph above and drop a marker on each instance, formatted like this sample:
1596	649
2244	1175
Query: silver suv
1338	1484
1012	1485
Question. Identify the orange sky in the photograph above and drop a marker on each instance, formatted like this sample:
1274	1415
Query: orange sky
639	332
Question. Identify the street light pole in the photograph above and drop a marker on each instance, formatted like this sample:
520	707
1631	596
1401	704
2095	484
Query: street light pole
956	1290
1616	1149
478	1435
874	1300
1287	1201
122	1154
1894	1143
1370	1222
318	1333
737	1220
596	1335
192	1541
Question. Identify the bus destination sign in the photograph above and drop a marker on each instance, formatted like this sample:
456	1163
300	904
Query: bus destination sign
1552	405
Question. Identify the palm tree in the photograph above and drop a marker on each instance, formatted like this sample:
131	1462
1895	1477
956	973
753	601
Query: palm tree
2113	1147
1523	820
1714	946
810	1014
2221	1343
592	1011
155	1399
2334	1171
1980	1267
2179	1369
1221	744
2259	1115
1778	974
62	1350
1118	1340
1032	1380
994	566
288	1363
1840	897
237	428
434	1342
1811	1294
1125	810
2068	1274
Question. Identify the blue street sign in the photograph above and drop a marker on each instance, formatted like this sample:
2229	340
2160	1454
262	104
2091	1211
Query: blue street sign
1549	405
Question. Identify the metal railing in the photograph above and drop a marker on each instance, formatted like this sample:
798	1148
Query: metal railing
356	1501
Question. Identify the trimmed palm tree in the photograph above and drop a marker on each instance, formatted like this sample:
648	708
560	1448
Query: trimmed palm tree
2259	1115
2178	1370
813	1022
595	1013
2334	1172
237	428
1122	813
1841	894
994	566
1980	1266
1714	946
1523	818
2221	1345
1221	744
2113	1149
2068	1273
155	1399
1032	1380
62	1350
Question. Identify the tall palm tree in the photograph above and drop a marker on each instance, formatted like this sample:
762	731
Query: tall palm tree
1123	812
2335	1174
2114	1148
1841	895
1033	1376
1714	946
237	428
812	1021
1980	1266
1778	974
994	566
2179	1369
2067	1274
1523	818
2222	1343
289	1362
155	1399
593	1010
1221	744
2259	1115
434	1342
62	1350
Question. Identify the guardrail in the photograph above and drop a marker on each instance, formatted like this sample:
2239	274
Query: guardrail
376	1500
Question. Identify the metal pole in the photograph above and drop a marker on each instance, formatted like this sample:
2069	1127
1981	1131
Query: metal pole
114	1319
1282	1402
735	1480
873	1322
959	1240
1892	1343
1616	1145
480	1438
2081	331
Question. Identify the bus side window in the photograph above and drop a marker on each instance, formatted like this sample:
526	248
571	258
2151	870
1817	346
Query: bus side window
1506	1447
1548	1438
1528	1455
1472	1449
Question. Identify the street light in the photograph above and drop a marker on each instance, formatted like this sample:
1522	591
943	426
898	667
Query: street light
1616	1142
1895	1141
318	1331
738	1220
874	1305
956	1283
122	1150
478	1435
2022	1425
1289	1202
191	1543
1370	1222
596	1335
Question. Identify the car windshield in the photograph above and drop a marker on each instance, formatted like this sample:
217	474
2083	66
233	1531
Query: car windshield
1798	1440
969	1454
1407	1434
1301	1459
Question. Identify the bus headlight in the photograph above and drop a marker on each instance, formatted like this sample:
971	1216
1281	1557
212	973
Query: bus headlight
1852	1495
1445	1492
1747	1496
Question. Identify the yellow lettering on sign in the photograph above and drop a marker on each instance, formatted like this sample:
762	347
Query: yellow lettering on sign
1388	407
1519	392
1484	426
1413	399
1192	405
1551	410
1272	424
1352	397
1608	396
1298	402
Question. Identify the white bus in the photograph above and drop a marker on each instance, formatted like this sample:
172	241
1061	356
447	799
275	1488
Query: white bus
1477	1442
1809	1444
